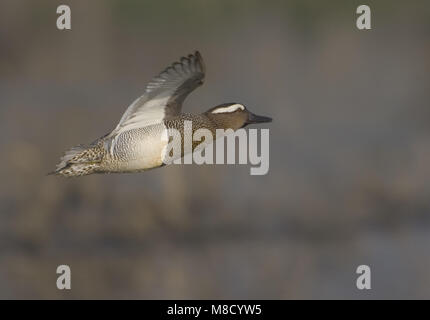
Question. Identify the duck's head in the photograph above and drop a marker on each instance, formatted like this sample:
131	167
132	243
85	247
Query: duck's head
234	116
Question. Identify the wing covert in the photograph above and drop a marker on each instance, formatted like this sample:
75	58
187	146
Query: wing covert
164	94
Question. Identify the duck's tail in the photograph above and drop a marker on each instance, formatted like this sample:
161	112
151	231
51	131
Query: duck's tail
78	161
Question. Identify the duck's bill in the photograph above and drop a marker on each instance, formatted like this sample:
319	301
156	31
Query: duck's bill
253	118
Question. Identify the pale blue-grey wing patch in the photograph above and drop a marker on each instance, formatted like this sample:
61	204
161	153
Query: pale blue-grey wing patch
164	94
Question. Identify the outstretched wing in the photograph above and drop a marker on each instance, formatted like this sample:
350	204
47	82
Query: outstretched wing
164	94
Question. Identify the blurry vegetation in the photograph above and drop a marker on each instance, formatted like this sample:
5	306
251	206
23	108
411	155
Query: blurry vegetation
349	180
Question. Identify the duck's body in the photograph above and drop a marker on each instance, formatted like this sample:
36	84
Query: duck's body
139	141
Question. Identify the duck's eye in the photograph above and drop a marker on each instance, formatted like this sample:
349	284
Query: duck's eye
229	109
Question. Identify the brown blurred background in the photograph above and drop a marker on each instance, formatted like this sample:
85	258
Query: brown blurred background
349	179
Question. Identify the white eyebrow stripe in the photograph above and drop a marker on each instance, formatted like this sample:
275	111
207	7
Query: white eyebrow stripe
229	109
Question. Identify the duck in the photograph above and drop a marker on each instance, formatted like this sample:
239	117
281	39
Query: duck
138	142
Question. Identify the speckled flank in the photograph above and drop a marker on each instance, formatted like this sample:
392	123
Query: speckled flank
136	150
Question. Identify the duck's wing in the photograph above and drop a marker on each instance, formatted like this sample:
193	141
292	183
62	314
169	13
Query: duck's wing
164	94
